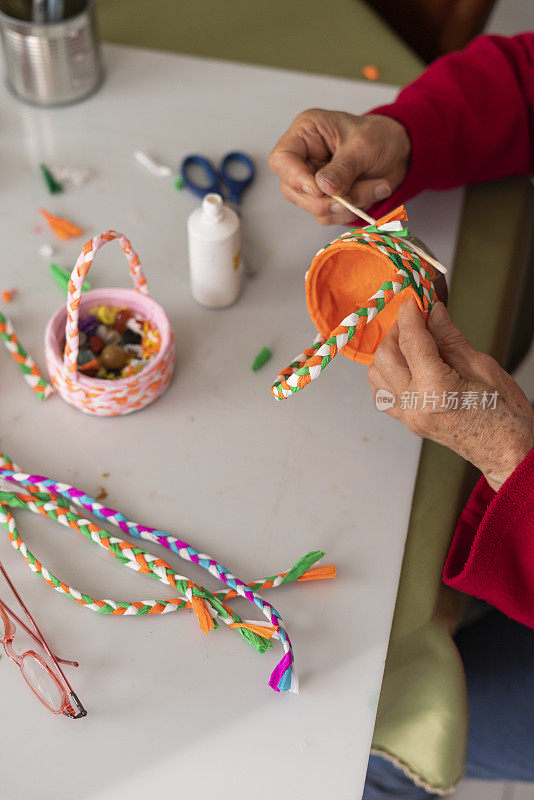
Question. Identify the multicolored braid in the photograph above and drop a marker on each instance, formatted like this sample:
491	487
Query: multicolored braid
27	365
283	677
138	559
134	557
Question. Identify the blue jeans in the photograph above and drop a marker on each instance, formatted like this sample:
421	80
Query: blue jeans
498	657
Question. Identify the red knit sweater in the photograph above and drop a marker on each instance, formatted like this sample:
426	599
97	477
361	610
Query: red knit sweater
470	118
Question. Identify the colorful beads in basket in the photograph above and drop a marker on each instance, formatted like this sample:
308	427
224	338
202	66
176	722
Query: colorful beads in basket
115	342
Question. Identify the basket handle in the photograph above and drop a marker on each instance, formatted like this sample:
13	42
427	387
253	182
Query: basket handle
81	268
309	365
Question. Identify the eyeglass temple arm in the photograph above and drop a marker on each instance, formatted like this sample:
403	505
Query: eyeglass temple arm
35	638
42	640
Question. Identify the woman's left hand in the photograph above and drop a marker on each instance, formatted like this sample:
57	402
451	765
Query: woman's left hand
447	391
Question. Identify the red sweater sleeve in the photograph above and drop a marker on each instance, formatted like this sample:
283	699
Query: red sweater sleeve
470	117
492	552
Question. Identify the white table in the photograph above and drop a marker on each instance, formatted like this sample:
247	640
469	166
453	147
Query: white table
216	461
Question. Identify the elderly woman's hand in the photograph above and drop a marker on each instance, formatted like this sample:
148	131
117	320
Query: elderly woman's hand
447	391
332	152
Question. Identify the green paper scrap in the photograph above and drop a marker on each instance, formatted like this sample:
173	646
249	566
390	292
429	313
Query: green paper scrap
51	184
303	565
179	183
261	359
261	644
62	277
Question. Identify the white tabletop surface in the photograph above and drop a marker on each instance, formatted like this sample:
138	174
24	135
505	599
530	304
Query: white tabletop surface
216	461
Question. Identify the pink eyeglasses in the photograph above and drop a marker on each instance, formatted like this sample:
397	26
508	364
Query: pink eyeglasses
50	687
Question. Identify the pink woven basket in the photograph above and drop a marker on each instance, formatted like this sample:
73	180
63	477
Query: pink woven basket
93	395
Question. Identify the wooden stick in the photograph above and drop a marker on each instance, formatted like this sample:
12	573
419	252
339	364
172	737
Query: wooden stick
421	253
354	210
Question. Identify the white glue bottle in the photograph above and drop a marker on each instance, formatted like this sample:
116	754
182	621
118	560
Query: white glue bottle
214	253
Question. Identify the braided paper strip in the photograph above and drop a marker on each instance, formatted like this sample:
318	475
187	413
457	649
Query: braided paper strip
302	570
140	560
36	503
81	268
411	272
27	365
283	677
203	602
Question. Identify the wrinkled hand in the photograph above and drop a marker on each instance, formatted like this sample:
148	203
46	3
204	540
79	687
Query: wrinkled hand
331	152
437	360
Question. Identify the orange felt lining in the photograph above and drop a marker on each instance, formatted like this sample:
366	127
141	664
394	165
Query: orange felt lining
340	280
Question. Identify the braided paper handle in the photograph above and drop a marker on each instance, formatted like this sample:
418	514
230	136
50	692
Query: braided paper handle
280	388
308	366
82	267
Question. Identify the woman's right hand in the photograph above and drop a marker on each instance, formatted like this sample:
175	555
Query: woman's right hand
331	152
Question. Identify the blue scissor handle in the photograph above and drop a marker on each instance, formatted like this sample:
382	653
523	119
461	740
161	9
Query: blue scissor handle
236	186
212	184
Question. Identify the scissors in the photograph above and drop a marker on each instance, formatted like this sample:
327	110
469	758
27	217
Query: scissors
217	179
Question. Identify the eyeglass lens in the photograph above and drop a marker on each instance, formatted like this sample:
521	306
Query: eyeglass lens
42	682
3	632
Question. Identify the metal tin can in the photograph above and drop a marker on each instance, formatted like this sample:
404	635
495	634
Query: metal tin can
51	63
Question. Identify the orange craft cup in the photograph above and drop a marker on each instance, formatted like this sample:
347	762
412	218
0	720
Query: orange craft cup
342	278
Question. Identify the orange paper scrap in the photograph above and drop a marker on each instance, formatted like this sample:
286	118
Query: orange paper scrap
370	72
203	615
63	228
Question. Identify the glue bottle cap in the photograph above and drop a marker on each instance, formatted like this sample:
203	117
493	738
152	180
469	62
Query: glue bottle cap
213	207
